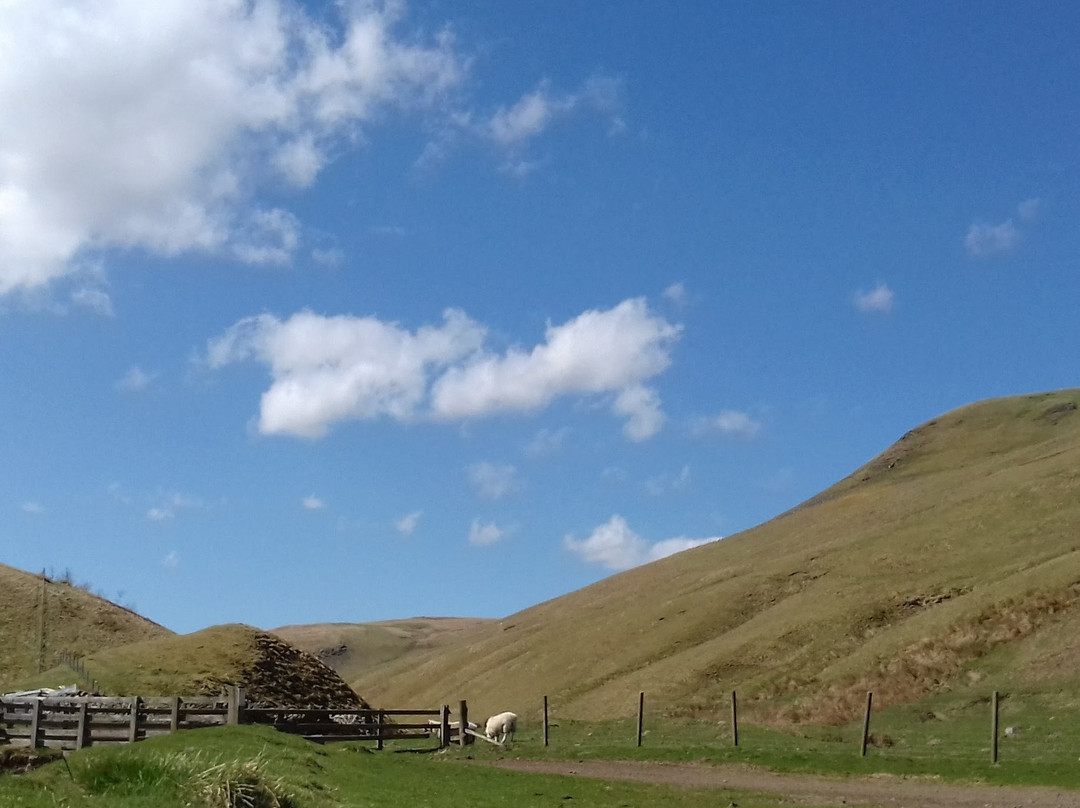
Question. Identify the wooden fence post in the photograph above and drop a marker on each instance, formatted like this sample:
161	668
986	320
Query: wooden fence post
232	715
994	728
463	731
734	720
640	716
35	721
545	721
866	724
133	723
444	727
81	734
174	714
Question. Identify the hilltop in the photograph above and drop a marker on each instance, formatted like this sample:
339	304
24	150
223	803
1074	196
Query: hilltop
75	621
272	672
949	559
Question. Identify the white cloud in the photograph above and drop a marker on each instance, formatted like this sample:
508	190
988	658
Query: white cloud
134	381
152	125
482	534
406	525
617	547
728	422
596	352
171	560
329	369
641	406
534	112
983	240
878	299
492	481
313	503
32	508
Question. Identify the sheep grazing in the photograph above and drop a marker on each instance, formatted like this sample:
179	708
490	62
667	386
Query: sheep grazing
501	727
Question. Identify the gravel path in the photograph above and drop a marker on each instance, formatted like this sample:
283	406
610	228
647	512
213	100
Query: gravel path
884	790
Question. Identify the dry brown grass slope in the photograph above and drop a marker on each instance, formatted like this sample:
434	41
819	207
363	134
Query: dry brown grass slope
352	649
76	621
952	555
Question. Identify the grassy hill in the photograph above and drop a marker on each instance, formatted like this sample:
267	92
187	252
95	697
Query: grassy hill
272	671
353	649
75	621
126	653
949	561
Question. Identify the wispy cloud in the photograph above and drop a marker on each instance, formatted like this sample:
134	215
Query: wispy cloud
727	422
406	525
168	506
547	442
615	546
135	380
313	503
878	300
171	560
32	508
984	240
667	483
533	113
675	294
91	299
482	534
331	257
493	481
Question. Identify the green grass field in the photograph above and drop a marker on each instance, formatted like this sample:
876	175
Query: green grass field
221	768
948	737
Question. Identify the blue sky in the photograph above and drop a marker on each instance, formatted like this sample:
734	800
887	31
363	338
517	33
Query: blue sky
352	311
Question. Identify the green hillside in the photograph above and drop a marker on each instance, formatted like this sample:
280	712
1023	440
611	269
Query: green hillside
72	620
948	561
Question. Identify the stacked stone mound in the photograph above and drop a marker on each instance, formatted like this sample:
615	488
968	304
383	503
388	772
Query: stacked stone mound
282	675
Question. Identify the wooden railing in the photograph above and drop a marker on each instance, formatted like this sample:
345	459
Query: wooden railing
72	723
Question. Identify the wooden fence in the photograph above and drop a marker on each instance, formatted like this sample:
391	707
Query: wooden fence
73	723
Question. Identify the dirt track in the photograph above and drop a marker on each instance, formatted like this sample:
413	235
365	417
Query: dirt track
886	790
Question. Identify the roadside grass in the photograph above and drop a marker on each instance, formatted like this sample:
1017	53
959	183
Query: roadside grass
946	738
257	767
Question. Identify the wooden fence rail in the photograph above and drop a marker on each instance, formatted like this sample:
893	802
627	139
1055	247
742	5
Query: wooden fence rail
75	722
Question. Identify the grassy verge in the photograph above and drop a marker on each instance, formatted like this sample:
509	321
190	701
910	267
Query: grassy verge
260	768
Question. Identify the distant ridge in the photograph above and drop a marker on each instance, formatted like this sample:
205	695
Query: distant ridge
950	558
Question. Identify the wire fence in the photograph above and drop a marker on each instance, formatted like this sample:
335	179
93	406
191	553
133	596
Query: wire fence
965	732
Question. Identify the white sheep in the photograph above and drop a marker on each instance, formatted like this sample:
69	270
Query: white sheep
501	727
